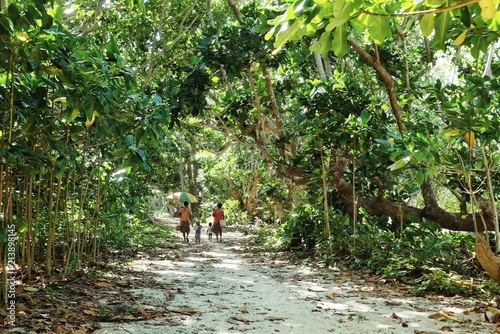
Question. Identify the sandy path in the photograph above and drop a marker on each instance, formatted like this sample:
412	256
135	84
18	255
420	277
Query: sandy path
217	288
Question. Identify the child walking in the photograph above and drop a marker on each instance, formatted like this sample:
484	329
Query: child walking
197	235
209	231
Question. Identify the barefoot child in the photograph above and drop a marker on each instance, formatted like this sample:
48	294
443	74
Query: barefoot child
209	231
197	235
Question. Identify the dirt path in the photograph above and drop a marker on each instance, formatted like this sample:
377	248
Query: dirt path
218	288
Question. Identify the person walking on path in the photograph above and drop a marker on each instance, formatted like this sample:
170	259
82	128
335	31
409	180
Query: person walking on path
197	234
185	215
218	215
209	231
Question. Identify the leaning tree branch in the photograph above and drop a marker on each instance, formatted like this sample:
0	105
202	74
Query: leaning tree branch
384	76
424	12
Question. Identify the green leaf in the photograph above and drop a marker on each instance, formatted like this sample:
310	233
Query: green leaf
460	39
420	178
495	23
451	132
316	15
380	28
435	3
113	51
39	4
287	33
365	117
480	44
383	141
339	44
442	25
120	152
334	23
427	24
323	44
71	115
342	9
46	21
465	16
6	23
60	167
399	164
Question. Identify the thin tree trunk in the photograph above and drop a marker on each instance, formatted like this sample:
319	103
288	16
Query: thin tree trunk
489	59
326	224
327	65
252	193
27	240
96	214
319	66
52	227
492	199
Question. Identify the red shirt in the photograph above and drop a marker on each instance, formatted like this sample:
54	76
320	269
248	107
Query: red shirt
218	214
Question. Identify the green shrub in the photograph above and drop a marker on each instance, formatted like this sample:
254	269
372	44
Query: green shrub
435	260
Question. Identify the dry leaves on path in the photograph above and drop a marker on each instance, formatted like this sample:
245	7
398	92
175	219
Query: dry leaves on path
334	295
184	311
79	304
240	319
443	315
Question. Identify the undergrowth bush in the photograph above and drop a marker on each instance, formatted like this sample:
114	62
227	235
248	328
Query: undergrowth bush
419	252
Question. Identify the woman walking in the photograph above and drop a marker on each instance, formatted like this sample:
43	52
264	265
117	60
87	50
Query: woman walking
218	215
185	214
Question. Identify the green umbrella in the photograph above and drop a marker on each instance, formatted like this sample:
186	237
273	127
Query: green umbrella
183	196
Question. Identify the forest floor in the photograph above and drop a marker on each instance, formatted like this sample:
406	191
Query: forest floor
223	288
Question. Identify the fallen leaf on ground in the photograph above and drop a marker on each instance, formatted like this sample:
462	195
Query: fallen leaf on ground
274	318
221	307
442	315
388	281
21	307
425	332
90	311
185	311
245	321
344	276
334	295
470	310
397	317
60	329
243	309
125	317
105	284
372	279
